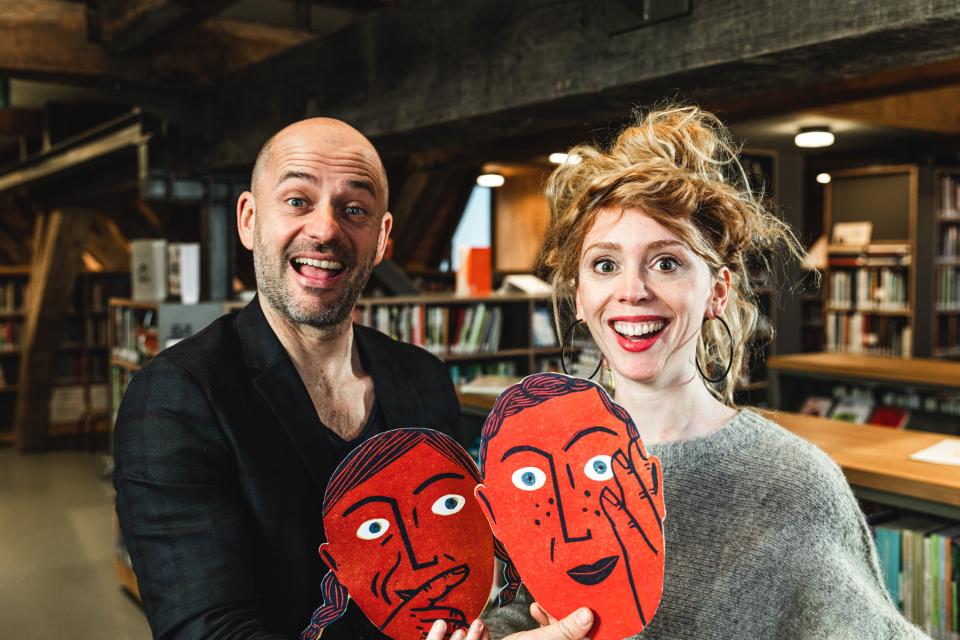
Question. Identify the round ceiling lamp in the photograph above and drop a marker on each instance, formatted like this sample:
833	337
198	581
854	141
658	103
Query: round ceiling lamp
490	180
814	137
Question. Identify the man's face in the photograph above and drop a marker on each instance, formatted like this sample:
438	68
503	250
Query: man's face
411	545
318	222
544	474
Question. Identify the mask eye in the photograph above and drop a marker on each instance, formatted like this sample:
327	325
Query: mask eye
373	529
529	478
448	505
598	468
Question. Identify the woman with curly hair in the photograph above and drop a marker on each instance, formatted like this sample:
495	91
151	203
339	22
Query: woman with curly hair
649	247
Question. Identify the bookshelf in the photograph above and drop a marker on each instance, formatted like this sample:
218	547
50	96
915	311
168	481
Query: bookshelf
946	321
80	376
498	334
927	389
870	291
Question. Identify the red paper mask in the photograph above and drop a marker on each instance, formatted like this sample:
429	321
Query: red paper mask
571	493
405	538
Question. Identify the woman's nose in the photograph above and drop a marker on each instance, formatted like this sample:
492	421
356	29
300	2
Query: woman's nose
632	288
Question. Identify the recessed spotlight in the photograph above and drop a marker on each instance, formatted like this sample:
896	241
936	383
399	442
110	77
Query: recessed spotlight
823	178
814	137
565	158
490	180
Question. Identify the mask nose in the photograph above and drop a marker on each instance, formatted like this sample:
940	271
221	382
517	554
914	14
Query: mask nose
570	508
409	544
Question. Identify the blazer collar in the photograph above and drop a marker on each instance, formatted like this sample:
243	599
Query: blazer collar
279	383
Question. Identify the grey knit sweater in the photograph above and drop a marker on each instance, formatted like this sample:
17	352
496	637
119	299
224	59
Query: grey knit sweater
764	539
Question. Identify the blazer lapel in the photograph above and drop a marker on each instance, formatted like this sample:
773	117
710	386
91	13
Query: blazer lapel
396	394
279	383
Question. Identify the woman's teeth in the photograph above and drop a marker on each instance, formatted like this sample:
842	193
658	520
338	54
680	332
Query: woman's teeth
637	329
319	264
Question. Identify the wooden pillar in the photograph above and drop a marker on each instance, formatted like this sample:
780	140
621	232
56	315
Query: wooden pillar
58	243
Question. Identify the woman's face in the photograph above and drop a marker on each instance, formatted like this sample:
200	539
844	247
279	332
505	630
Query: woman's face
644	295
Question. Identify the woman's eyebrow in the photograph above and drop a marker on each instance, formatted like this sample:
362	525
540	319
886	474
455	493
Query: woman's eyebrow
613	246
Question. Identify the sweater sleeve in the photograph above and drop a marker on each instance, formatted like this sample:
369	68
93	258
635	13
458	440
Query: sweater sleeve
503	621
838	589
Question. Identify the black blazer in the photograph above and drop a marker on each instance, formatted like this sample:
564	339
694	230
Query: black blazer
221	465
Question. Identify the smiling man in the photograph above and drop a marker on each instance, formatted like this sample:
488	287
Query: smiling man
225	443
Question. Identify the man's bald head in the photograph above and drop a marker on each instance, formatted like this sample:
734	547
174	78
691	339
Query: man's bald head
321	133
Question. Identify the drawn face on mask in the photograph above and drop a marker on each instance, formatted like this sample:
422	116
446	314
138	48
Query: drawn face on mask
576	501
405	535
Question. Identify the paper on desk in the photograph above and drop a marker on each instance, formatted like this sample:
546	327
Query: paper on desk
944	452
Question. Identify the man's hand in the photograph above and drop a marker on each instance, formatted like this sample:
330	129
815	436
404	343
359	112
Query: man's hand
575	626
635	511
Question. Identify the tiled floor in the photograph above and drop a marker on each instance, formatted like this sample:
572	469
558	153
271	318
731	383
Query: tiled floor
56	551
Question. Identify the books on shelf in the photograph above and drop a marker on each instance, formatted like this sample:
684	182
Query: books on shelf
950	196
855	407
868	334
948	289
816	406
888	416
869	289
950	241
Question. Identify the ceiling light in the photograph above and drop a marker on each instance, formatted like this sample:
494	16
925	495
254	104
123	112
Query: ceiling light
565	158
813	137
490	180
823	178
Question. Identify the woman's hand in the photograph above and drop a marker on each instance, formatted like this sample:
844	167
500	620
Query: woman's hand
575	626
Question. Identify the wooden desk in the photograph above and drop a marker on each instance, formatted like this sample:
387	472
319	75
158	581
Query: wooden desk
875	460
913	371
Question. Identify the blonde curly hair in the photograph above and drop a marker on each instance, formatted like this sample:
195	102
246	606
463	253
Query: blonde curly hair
679	165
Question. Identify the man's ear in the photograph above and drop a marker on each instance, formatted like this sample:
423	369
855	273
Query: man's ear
480	493
327	557
246	218
386	224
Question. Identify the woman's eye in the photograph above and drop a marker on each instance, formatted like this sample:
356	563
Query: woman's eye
529	478
598	468
604	266
448	505
666	264
373	529
296	202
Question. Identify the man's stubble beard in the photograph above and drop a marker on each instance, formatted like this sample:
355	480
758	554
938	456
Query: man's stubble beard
270	272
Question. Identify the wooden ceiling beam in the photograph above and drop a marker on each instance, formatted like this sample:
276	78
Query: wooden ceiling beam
424	75
48	40
128	25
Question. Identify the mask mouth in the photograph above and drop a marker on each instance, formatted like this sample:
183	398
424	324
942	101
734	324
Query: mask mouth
591	574
442	583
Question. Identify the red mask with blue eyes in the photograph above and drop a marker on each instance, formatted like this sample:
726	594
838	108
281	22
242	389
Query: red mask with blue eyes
405	536
570	491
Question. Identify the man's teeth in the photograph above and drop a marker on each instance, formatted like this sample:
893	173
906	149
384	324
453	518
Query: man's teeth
634	329
319	264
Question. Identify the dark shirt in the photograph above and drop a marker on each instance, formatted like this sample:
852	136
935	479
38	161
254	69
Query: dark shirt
341	447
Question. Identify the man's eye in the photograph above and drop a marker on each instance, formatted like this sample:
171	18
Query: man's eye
354	211
296	202
604	265
598	468
666	264
529	478
448	505
373	529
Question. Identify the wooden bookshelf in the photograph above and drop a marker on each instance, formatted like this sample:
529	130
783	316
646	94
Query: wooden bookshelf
946	312
926	372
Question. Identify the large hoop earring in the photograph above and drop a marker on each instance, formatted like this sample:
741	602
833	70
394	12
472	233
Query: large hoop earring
563	345
699	368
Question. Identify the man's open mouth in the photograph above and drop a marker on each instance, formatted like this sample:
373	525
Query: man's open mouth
317	267
590	574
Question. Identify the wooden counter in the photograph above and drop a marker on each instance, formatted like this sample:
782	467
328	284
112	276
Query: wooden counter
875	460
914	371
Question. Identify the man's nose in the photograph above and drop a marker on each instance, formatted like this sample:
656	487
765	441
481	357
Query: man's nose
570	507
322	224
413	538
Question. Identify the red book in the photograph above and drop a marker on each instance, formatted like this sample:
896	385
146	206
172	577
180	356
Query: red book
893	417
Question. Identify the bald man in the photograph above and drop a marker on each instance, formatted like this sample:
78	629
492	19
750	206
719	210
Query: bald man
226	441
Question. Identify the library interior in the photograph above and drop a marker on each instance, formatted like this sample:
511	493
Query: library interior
128	130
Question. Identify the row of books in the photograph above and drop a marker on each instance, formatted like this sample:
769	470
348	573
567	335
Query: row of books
78	368
890	407
869	289
441	330
948	333
10	331
135	339
920	562
868	334
950	196
948	289
14	295
463	373
950	241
